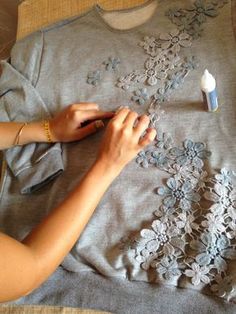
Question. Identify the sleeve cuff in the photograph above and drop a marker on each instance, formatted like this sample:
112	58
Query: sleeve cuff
44	170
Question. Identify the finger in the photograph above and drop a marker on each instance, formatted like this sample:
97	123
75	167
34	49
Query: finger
106	115
94	114
85	106
130	119
88	106
121	114
91	128
148	137
141	125
119	109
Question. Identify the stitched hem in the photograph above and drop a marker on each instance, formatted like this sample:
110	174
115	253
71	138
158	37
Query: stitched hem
35	177
28	166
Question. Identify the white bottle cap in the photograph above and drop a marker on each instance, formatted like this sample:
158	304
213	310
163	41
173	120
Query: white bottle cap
208	82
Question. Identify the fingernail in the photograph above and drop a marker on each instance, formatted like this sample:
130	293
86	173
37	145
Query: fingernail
119	108
99	124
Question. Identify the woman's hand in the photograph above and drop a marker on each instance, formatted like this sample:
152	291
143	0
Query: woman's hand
123	138
68	126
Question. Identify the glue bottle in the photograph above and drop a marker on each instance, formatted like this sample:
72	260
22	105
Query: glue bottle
208	87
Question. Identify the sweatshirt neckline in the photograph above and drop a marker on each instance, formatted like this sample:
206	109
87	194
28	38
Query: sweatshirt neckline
99	11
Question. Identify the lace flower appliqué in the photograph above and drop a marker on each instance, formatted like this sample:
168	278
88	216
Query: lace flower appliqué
175	39
194	235
112	63
177	192
190	19
140	96
94	77
193	153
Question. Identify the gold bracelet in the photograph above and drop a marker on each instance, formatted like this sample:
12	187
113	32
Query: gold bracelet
17	140
47	130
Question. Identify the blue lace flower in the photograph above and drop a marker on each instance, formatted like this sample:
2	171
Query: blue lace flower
149	44
214	223
187	222
174	13
154	70
185	22
156	237
169	268
195	30
192	153
94	77
142	159
191	63
175	40
159	159
164	141
124	82
213	249
232	232
162	94
198	274
175	79
141	96
146	258
166	214
174	192
201	10
112	63
225	177
224	199
162	236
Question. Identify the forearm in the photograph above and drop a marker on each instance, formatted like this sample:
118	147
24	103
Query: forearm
33	132
54	237
47	245
66	126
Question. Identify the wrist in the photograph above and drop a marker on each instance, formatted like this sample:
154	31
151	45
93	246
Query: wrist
107	168
33	132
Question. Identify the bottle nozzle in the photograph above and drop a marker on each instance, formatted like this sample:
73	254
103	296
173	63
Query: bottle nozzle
206	73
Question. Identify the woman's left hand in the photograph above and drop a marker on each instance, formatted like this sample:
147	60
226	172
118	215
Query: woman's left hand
67	126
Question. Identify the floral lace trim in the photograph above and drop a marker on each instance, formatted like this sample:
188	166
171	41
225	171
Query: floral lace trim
191	19
95	77
166	67
194	233
193	236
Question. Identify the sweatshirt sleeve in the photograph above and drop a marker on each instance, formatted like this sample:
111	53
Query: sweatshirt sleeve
33	165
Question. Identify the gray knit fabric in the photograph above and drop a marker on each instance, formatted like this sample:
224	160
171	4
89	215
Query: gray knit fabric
139	231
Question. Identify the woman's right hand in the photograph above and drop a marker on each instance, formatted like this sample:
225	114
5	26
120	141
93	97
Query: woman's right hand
123	138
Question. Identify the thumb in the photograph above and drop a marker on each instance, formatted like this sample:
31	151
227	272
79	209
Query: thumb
90	128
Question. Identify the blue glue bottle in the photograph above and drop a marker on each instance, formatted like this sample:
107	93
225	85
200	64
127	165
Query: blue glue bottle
208	87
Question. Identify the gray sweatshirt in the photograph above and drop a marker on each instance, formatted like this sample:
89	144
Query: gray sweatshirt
170	217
